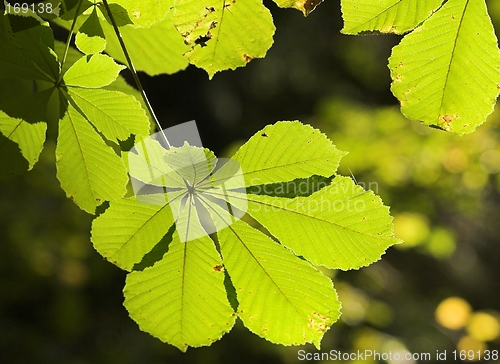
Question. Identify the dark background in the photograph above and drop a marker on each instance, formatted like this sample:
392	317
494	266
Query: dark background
61	302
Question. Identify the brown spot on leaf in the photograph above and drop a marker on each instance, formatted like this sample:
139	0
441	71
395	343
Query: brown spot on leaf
218	268
247	58
310	5
264	135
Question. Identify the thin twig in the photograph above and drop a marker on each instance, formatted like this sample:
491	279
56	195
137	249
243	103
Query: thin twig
134	72
68	41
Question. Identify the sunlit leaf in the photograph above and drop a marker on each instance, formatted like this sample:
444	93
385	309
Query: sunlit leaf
130	229
93	71
279	294
157	49
385	16
89	170
90	38
345	226
274	286
114	113
29	137
447	72
286	151
181	299
223	35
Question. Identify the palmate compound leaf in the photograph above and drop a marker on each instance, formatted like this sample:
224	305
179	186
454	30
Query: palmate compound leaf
385	16
280	296
446	73
89	170
223	34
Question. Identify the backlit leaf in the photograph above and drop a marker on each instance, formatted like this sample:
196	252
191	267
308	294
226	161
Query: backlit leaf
114	113
446	73
182	196
385	16
90	38
29	137
223	35
286	151
274	286
181	299
157	49
89	170
93	71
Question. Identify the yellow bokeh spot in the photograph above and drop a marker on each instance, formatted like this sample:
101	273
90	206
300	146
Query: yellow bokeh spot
453	313
455	161
475	178
483	327
470	348
490	161
413	228
441	243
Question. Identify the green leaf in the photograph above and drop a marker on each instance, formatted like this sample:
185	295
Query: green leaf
11	159
273	286
145	13
93	71
90	38
286	151
113	113
128	230
183	194
29	137
157	49
89	171
305	6
120	15
26	49
447	72
223	35
72	56
146	163
385	16
23	99
181	299
69	8
341	226
190	186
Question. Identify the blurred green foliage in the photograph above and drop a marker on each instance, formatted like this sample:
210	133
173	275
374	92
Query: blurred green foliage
60	302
